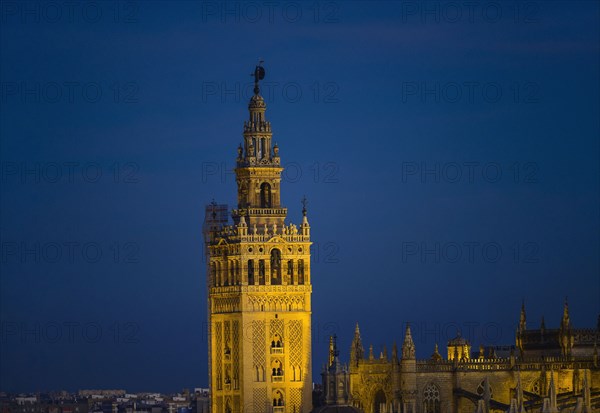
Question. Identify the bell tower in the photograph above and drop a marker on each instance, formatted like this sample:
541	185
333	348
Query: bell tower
258	170
259	286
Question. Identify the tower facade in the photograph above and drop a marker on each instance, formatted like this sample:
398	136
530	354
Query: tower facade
259	287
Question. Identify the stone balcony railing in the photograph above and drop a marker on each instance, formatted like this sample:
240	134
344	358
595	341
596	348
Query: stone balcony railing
298	288
504	364
262	126
289	233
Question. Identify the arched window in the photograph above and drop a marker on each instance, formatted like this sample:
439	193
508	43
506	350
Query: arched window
250	272
265	195
230	274
275	267
431	399
218	274
379	402
290	272
297	373
278	398
276	369
261	272
300	271
277	344
213	274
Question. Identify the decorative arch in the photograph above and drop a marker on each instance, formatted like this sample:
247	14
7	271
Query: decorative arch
278	398
277	341
431	399
379	401
275	266
265	195
276	368
301	272
213	274
250	272
218	274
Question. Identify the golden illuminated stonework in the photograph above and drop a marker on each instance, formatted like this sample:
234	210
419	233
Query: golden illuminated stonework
259	286
547	371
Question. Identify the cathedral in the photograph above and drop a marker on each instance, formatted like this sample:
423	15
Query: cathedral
546	370
259	324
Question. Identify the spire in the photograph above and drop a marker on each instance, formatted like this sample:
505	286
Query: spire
332	350
408	347
566	339
522	318
257	131
565	322
543	325
395	352
357	352
371	357
436	356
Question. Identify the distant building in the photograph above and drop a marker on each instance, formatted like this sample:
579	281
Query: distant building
101	393
43	404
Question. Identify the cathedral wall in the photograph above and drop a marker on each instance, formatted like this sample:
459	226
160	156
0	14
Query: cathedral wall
443	381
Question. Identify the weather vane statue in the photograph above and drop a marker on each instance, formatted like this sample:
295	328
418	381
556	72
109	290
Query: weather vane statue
259	74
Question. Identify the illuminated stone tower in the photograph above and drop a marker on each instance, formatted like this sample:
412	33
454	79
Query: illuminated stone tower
259	287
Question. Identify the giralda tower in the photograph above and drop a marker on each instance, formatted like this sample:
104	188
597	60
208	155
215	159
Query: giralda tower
259	286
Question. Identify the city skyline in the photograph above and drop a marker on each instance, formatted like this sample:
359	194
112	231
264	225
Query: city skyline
416	170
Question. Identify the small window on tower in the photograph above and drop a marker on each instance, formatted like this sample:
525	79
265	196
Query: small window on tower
265	195
301	272
290	272
261	272
275	267
250	272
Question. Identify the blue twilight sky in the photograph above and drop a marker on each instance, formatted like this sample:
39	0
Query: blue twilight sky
449	154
